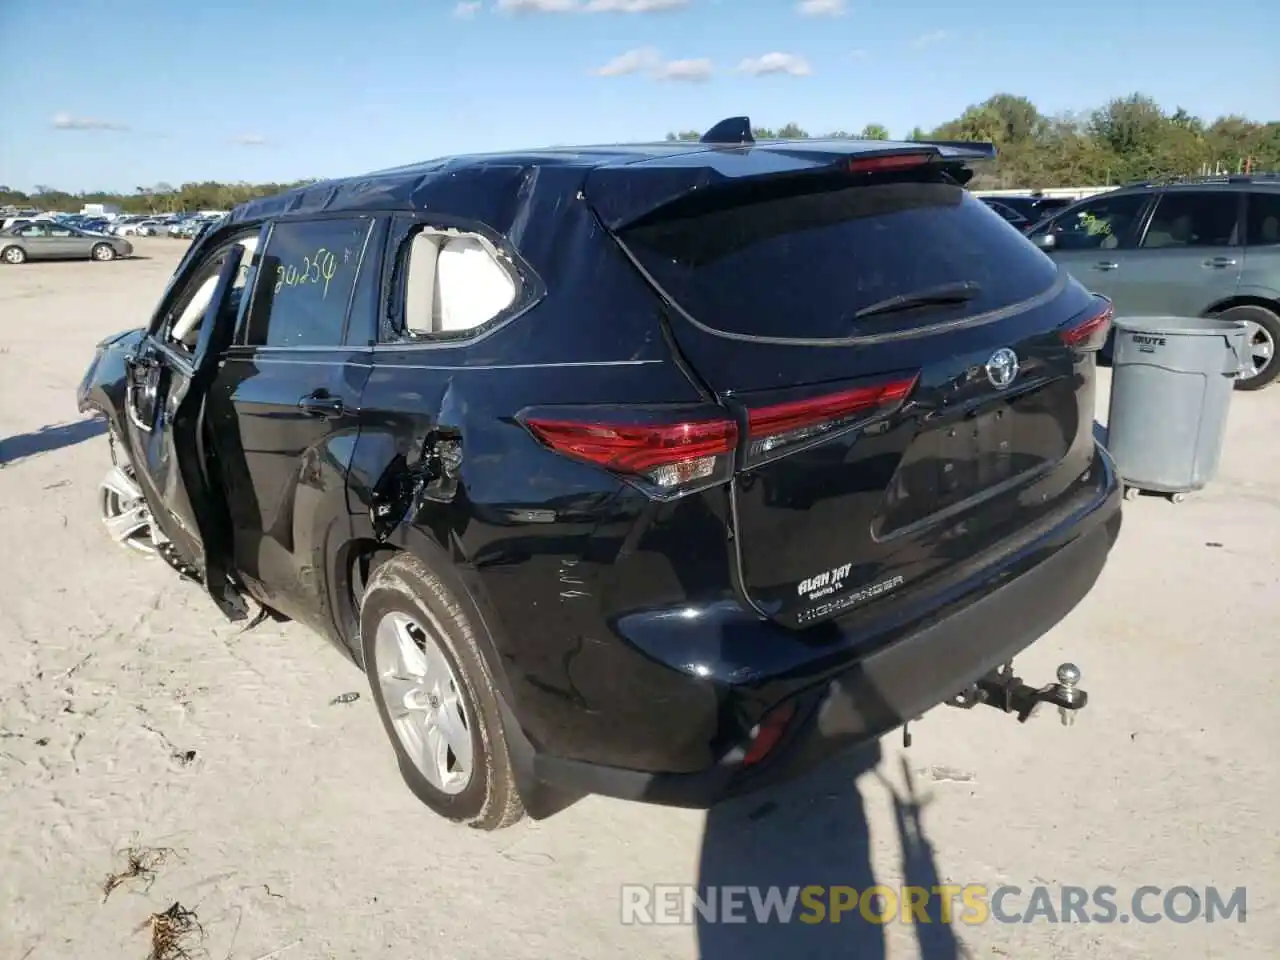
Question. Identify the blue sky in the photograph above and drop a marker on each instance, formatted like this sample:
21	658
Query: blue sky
114	94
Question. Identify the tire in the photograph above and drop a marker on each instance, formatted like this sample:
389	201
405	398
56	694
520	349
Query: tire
1266	326
13	256
402	594
103	252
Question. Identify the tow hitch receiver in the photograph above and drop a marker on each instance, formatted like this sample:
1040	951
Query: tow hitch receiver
1002	689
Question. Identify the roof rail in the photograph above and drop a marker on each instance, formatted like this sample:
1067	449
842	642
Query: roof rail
1204	178
732	130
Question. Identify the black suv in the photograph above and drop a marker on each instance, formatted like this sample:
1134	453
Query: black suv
655	471
1201	247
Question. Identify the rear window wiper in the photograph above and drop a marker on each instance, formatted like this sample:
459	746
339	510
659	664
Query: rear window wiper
934	296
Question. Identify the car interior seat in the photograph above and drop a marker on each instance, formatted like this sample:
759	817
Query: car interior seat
1270	232
453	284
187	328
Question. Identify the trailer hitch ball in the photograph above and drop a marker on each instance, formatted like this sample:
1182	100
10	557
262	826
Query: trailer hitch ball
1068	680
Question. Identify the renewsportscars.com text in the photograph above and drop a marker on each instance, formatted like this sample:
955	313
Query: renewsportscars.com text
970	904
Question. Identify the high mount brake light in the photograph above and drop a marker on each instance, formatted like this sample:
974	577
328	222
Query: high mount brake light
784	425
1090	334
894	161
669	458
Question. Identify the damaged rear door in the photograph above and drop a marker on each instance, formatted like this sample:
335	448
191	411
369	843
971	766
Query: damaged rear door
166	384
283	407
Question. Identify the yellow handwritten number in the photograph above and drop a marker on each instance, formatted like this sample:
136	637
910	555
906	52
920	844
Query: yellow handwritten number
320	265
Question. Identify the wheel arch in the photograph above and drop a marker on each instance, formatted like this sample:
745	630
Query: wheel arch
357	559
1244	300
355	562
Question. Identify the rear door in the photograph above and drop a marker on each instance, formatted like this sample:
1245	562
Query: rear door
898	360
65	243
284	407
1188	258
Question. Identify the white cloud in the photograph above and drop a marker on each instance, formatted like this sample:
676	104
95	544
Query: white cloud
537	6
859	54
688	71
929	39
632	6
250	140
589	6
771	63
649	60
633	61
64	121
821	8
466	9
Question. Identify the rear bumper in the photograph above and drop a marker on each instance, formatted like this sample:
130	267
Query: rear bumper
885	688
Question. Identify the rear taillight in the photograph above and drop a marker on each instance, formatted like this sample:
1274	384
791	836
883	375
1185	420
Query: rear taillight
884	164
667	451
779	428
766	736
1090	334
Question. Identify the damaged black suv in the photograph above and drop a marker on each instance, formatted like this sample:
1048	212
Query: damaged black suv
653	471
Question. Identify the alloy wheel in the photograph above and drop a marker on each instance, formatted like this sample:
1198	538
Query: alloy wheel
424	699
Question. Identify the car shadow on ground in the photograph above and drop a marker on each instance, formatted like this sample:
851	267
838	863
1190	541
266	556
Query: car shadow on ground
53	437
813	831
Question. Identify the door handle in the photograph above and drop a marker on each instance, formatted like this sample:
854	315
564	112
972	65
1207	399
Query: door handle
1106	265
322	405
1220	262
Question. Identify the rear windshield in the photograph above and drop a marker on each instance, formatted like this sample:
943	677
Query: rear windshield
800	265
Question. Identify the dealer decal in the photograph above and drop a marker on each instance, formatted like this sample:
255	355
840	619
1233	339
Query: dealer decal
824	584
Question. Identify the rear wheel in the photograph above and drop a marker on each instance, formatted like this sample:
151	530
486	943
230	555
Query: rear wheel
435	696
1262	333
14	255
102	252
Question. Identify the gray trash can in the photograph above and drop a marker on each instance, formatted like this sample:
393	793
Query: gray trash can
1172	380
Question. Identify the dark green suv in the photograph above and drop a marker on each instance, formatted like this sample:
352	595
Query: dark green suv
1203	247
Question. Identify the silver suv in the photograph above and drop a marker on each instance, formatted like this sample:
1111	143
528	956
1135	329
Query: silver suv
1202	247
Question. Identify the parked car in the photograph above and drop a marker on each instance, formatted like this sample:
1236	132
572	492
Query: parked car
655	471
1203	247
55	241
127	225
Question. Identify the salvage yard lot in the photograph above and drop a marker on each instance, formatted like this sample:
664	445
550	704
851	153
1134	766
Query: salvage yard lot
132	716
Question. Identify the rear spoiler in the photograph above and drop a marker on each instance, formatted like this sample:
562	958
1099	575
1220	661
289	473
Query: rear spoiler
964	149
623	193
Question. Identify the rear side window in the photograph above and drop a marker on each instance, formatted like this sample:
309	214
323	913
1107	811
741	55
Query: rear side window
1264	220
305	279
1194	219
801	265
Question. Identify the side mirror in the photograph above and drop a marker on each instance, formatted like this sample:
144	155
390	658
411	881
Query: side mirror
1045	241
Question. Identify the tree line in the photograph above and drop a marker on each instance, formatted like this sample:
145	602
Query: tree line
1129	138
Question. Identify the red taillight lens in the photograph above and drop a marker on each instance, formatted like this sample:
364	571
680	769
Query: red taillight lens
783	426
1091	334
895	161
669	458
766	736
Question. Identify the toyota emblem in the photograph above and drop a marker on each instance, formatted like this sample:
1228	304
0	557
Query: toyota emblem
1002	368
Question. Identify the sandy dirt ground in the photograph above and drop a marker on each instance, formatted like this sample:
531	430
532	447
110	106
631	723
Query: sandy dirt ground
132	717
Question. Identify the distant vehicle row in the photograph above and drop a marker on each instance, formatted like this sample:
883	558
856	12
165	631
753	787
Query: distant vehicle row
176	225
